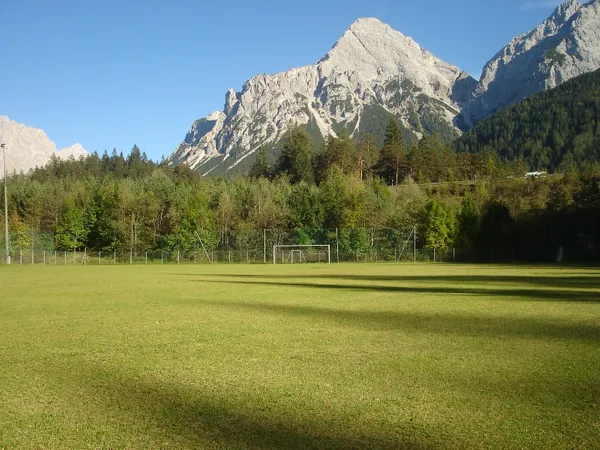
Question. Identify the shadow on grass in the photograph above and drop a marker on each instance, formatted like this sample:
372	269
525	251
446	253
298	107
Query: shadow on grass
579	282
438	323
532	294
190	418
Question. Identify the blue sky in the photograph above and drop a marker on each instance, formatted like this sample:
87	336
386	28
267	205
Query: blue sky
113	73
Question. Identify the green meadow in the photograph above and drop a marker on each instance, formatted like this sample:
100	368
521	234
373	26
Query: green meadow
305	356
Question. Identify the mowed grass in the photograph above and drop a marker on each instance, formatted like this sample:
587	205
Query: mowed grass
304	356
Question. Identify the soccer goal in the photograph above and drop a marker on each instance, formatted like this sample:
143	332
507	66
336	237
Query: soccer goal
297	254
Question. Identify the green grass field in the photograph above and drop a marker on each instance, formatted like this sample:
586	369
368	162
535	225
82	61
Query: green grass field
340	356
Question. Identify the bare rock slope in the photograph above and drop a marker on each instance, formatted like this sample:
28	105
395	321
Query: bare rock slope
565	45
374	72
371	69
27	147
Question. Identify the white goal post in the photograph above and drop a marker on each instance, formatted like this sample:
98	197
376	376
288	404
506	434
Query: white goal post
293	254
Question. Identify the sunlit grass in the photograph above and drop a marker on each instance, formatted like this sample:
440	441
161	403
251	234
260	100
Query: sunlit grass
305	356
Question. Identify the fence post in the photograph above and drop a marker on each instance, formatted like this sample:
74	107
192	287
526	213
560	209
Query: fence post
44	257
74	256
415	245
65	257
55	257
337	245
229	255
146	257
265	245
114	257
177	256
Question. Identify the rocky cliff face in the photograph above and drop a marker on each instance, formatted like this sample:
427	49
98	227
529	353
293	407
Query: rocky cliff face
28	147
371	69
565	45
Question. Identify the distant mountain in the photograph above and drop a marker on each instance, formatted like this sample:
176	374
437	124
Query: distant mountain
565	45
374	73
27	147
558	129
371	74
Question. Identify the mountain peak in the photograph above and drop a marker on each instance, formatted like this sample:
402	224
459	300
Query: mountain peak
374	72
372	50
370	28
565	11
371	68
564	46
76	151
363	23
28	147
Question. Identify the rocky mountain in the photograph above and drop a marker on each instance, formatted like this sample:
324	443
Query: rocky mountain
28	147
565	45
372	73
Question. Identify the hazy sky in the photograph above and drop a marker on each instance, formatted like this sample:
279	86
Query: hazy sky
113	73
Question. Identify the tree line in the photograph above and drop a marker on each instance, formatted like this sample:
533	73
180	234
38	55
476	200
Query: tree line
428	160
472	202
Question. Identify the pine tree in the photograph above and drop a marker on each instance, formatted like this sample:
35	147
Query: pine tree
261	167
339	151
296	157
367	154
392	158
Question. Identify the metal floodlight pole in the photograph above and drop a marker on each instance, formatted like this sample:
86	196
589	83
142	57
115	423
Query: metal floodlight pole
5	208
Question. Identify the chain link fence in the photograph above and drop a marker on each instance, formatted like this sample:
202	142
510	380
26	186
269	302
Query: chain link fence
234	246
256	247
62	258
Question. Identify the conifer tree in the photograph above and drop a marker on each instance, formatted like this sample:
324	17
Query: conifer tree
392	158
296	157
367	154
261	167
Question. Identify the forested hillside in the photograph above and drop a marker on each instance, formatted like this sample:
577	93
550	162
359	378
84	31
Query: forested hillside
556	130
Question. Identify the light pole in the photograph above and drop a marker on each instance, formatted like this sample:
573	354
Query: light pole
5	207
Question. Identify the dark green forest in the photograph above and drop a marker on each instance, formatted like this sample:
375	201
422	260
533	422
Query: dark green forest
556	130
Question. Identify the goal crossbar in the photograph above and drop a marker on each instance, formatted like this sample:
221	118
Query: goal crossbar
277	247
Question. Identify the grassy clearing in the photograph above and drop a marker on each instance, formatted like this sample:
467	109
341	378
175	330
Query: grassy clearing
340	356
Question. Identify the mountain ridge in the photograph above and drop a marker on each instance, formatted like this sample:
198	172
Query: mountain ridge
373	73
554	130
565	45
370	65
28	147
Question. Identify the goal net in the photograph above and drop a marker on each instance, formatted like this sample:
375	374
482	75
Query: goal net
299	254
